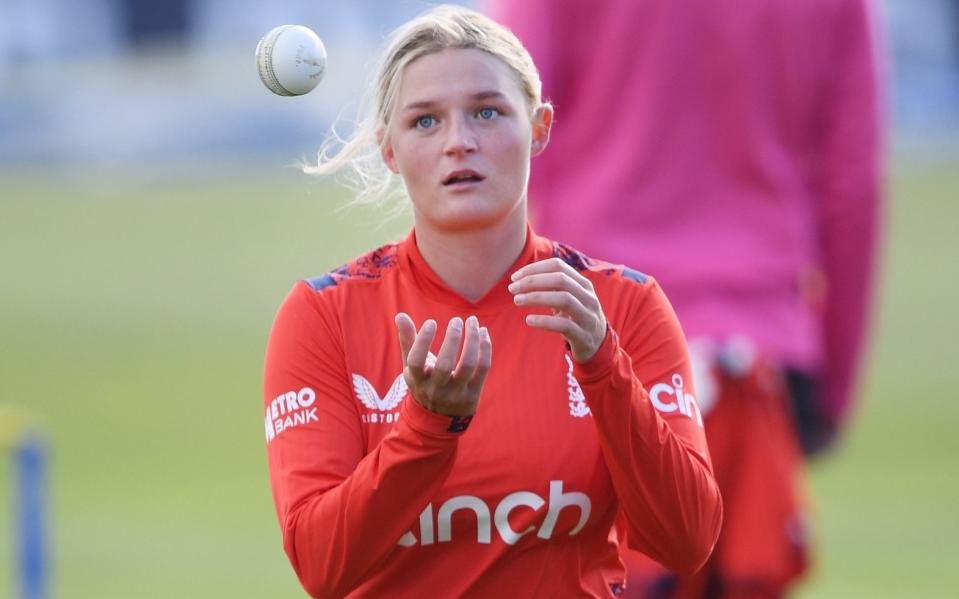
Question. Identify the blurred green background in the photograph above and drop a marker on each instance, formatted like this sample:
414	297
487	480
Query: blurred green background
149	231
133	319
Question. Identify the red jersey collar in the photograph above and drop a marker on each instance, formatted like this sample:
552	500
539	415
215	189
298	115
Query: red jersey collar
432	286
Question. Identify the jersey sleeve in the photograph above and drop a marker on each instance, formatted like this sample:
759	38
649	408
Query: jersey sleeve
341	510
639	389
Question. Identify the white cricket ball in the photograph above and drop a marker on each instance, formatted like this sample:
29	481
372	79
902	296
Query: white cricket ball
291	60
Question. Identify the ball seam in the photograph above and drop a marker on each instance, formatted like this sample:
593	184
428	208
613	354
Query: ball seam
265	64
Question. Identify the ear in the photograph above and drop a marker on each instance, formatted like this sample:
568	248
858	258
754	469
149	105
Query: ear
542	123
386	151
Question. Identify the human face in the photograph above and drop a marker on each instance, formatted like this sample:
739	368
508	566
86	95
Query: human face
461	136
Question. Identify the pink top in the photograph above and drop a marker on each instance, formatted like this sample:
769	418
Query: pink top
733	153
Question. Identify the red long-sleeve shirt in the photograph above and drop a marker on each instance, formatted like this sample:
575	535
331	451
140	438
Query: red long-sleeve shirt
377	496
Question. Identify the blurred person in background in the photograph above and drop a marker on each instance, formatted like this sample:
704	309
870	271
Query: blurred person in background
398	475
734	151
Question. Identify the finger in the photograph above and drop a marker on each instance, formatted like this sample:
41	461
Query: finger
565	280
557	324
446	359
416	360
555	281
484	363
470	354
407	333
562	303
551	265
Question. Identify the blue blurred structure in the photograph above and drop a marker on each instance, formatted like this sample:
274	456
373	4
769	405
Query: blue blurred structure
30	458
924	41
92	83
136	83
28	451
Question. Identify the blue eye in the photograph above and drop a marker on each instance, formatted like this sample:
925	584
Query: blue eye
425	122
487	113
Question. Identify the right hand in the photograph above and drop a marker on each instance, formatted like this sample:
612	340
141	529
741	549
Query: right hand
446	387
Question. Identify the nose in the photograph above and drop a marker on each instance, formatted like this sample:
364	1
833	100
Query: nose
460	136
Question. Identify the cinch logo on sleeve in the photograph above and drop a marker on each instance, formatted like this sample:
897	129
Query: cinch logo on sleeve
438	528
671	398
290	409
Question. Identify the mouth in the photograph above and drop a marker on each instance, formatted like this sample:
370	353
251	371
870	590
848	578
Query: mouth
462	177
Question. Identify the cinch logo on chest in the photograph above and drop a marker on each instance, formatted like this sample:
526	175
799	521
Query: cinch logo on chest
385	407
485	519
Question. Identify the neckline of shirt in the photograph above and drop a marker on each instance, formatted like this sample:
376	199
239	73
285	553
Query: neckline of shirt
427	282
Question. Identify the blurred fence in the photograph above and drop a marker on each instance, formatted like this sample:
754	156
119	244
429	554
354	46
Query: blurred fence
135	82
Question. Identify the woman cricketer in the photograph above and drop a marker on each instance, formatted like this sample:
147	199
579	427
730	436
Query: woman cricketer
407	457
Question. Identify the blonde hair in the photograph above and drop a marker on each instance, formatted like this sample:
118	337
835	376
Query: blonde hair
437	29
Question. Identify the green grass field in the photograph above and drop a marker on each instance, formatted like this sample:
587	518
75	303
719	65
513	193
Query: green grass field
133	317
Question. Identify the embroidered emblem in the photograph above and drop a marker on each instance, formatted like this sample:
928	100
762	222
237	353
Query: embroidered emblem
577	401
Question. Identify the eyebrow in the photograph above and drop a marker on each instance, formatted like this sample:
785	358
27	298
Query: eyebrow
484	95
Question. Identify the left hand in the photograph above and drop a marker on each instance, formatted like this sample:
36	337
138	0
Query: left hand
577	313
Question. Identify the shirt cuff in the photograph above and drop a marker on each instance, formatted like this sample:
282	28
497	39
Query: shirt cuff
430	423
601	363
